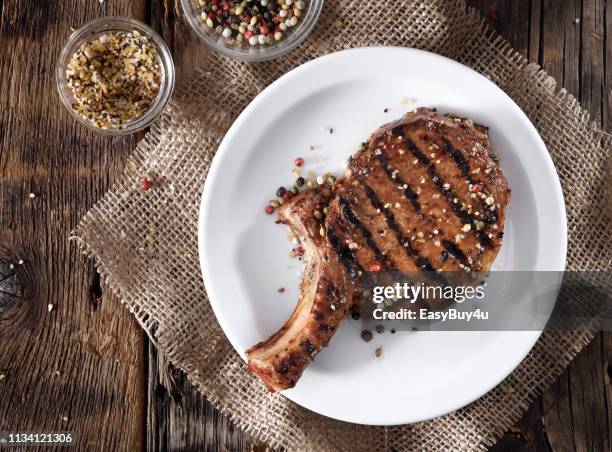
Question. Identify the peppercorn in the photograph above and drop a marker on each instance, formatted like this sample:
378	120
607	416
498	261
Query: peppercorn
281	191
266	19
269	210
146	184
300	181
299	161
380	329
295	190
366	335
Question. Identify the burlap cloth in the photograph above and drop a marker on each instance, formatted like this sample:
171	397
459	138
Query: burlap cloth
145	243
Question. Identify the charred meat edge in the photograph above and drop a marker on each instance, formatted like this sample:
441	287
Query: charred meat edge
326	291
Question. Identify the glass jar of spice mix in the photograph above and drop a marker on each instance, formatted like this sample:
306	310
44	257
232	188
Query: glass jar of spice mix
115	75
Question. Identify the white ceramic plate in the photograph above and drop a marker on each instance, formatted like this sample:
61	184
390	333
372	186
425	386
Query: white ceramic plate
244	255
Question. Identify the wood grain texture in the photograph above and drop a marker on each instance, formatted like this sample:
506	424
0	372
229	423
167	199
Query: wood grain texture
85	365
568	39
179	418
78	365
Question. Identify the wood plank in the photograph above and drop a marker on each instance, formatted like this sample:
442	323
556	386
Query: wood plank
527	435
561	42
78	367
607	88
546	32
511	19
592	51
574	413
178	416
607	376
575	407
535	28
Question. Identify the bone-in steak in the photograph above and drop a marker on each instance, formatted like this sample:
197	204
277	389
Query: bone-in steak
425	193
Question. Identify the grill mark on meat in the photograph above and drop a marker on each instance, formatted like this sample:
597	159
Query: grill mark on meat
488	216
449	194
452	249
455	252
350	215
421	262
459	160
398	131
344	253
412	196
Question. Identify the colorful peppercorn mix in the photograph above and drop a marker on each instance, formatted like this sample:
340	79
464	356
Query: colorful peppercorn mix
252	21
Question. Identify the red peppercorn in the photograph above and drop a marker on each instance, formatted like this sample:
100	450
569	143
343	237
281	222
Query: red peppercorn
375	267
477	188
298	251
264	30
248	34
299	161
269	210
287	195
146	184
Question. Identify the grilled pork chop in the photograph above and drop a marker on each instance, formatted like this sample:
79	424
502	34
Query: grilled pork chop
425	193
326	295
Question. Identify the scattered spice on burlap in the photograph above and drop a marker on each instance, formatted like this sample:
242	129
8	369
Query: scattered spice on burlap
161	285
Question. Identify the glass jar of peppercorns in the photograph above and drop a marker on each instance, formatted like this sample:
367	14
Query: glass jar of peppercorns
252	30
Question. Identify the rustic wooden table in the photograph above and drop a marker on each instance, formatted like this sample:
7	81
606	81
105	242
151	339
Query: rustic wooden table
71	358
